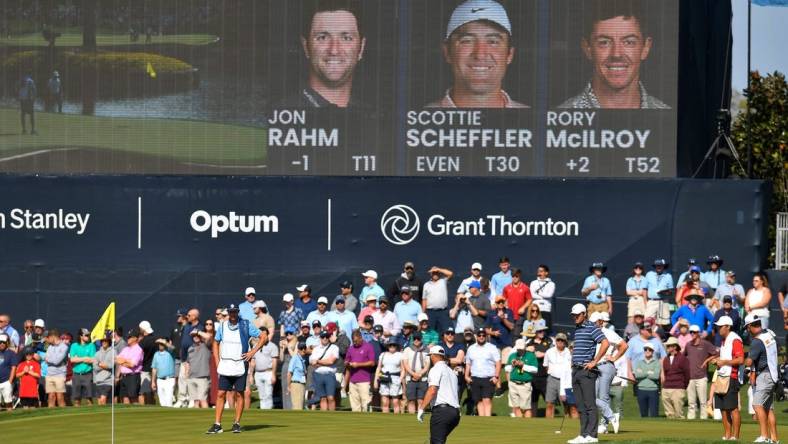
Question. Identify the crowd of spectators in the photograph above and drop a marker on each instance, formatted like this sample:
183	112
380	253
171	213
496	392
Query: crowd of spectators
370	346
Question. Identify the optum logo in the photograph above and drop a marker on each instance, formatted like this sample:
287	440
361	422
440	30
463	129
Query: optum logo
400	224
202	221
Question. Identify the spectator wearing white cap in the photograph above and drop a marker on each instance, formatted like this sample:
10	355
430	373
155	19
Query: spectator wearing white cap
39	332
479	34
607	371
442	388
305	302
8	364
428	335
647	371
7	329
521	365
291	317
265	363
435	298
727	310
674	380
81	354
262	317
371	288
726	387
697	351
386	318
148	345
247	306
320	314
764	375
476	276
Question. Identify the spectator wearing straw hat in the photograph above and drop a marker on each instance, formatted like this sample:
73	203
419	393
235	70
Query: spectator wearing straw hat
103	364
163	373
521	365
674	380
81	354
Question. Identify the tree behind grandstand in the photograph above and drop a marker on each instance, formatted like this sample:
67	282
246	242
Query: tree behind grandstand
768	134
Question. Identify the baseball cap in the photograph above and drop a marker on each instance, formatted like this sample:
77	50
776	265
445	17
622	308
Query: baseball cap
561	337
437	350
304	323
578	308
378	327
648	323
540	325
649	346
368	319
694	269
304	287
475	284
404	289
727	299
382	299
370	274
339	299
325	334
730	273
290	330
316	323
259	304
724	320
694	327
692	261
179	312
638	265
422	317
85	332
519	344
595	316
288	297
473	10
449	330
409	324
249	290
331	327
408	264
750	318
346	284
639	312
233	308
683	321
322	300
661	262
133	333
480	331
146	327
39	323
3	338
416	335
476	266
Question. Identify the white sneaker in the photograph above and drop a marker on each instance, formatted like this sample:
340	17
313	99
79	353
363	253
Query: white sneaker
512	415
591	439
579	439
602	429
616	423
762	439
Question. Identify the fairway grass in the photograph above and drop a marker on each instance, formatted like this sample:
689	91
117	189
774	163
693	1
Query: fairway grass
180	140
72	39
157	425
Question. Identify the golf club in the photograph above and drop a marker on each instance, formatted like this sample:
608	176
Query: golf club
561	428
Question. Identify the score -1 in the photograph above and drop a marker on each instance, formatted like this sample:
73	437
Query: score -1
581	164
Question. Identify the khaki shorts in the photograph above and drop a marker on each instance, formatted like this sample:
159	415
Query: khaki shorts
55	384
635	304
198	388
520	395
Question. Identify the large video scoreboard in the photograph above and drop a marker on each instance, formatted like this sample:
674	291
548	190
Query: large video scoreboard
539	88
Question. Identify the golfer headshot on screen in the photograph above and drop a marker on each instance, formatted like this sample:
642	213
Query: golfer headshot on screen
616	43
478	47
333	44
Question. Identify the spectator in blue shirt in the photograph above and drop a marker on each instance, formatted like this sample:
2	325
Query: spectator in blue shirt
371	288
696	314
345	319
635	344
500	325
291	316
407	309
660	288
732	289
296	378
163	373
715	276
597	290
502	278
305	302
247	311
321	313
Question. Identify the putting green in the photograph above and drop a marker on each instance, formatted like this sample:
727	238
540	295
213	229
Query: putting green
75	39
179	140
149	424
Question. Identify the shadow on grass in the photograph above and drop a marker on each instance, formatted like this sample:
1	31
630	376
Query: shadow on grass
253	427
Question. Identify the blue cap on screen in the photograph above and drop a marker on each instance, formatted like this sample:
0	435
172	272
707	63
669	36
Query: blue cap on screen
474	10
475	284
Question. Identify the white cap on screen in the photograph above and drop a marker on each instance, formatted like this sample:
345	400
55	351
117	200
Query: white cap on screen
474	10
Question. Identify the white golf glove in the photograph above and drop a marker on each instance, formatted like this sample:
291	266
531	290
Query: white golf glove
420	415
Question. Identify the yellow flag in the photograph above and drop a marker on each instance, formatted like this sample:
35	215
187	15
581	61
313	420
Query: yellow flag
151	72
106	322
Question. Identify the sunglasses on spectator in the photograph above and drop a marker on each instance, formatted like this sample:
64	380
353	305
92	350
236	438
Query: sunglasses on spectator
28	327
501	302
481	335
209	323
339	302
534	311
449	333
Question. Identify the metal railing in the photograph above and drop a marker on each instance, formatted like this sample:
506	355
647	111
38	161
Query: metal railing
781	256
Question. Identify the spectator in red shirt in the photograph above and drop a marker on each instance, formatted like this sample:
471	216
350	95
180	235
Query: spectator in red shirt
28	373
518	296
730	358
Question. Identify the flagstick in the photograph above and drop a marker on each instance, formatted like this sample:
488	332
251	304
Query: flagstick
112	399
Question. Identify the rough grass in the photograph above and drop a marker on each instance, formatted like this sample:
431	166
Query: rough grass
73	39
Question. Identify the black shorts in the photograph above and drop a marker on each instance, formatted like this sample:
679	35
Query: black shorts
415	390
82	386
730	400
28	402
129	386
482	388
232	383
103	390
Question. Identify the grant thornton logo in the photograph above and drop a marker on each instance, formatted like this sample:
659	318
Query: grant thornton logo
400	224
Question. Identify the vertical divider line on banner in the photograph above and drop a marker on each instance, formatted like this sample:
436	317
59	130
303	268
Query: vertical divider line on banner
139	222
329	225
